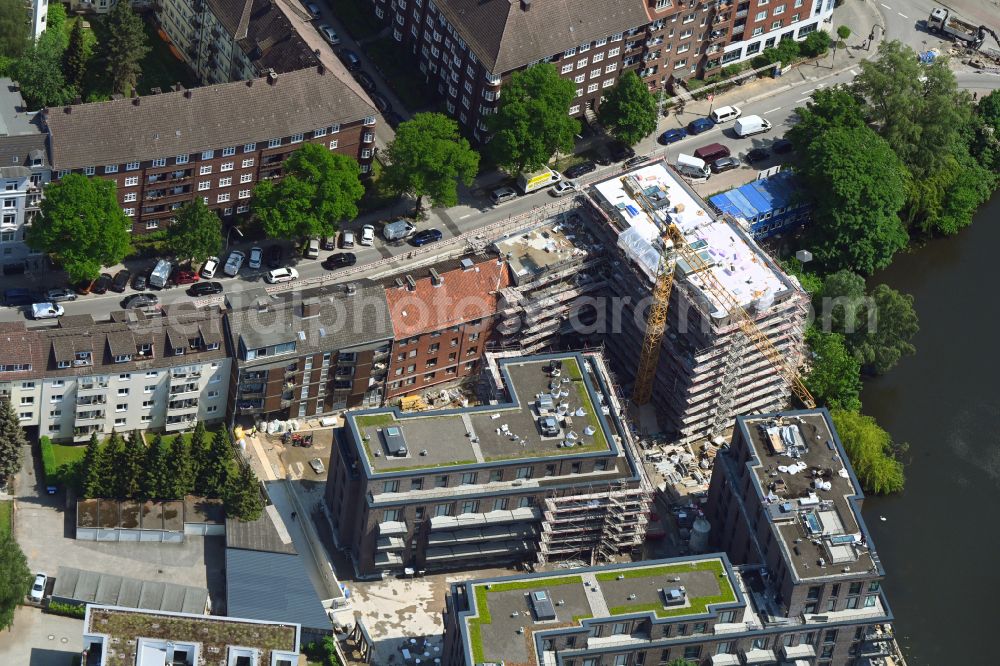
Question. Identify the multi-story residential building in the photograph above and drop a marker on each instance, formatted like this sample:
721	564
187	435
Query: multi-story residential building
39	14
115	635
24	170
468	48
543	469
215	142
83	377
766	206
309	355
442	322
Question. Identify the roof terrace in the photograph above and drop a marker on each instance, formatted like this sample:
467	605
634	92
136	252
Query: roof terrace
554	410
504	614
810	493
535	251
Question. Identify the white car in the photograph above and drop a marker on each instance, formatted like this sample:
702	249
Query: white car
346	238
279	275
328	34
256	255
234	263
209	268
38	587
46	311
367	235
564	187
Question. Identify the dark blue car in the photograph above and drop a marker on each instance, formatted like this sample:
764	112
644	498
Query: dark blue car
699	125
672	135
426	236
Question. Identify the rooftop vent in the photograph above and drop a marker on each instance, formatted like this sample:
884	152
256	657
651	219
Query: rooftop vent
411	283
272	76
310	308
525	5
320	69
467	264
436	278
188	94
350	289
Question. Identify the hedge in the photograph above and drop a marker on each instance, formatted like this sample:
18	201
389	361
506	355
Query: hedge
69	610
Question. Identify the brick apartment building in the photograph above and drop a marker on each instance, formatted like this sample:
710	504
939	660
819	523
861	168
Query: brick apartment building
467	48
442	321
216	142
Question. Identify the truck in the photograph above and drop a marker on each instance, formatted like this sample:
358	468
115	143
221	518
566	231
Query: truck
750	125
398	230
160	274
946	23
688	165
532	182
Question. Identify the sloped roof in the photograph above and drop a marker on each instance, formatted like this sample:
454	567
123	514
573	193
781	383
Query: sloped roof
273	587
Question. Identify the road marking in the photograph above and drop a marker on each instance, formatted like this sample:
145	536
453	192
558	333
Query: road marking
803	99
465	216
854	72
903	15
885	5
777	108
822	85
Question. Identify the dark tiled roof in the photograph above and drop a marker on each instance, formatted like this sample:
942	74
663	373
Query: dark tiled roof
504	36
273	587
17	151
270	41
191	121
260	534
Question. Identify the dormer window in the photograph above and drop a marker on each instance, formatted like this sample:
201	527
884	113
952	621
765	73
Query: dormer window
194	343
144	349
82	358
179	351
63	364
212	346
123	358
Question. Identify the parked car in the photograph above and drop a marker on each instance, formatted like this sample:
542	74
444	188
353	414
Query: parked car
329	243
209	267
757	155
398	230
205	288
102	284
381	103
724	114
503	194
256	256
313	10
426	236
317	465
275	256
725	164
60	294
367	235
311	250
366	81
633	162
620	152
120	280
339	260
46	311
140	281
38	587
672	135
346	238
699	125
564	187
350	59
181	276
279	275
234	263
329	34
581	169
139	301
782	147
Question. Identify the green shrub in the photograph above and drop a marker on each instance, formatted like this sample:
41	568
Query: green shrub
694	84
49	460
69	610
816	44
729	71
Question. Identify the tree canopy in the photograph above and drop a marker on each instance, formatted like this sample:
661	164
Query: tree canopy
76	56
629	110
39	73
125	47
320	189
429	158
12	441
830	108
196	232
242	498
532	121
871	452
82	225
15	19
15	578
834	376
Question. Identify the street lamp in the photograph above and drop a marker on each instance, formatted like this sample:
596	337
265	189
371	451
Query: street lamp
871	35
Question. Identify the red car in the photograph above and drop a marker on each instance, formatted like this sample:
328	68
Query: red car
184	277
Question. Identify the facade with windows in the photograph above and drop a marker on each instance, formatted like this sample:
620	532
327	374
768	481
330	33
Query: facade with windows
215	142
535	473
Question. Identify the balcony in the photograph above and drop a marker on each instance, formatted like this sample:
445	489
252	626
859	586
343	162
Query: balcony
89	401
182	406
175	423
177	377
90	416
168	177
390	528
84	432
742	13
183	388
91	386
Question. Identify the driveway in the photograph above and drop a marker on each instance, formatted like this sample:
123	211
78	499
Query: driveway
37	639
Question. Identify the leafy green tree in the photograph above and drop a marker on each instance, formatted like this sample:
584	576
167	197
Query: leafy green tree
320	188
843	32
155	481
834	376
214	474
829	108
859	187
12	441
82	224
125	47
76	56
429	158
810	282
629	110
198	454
533	121
15	19
816	44
39	75
196	232
839	302
179	471
110	471
15	578
871	452
242	498
93	483
988	109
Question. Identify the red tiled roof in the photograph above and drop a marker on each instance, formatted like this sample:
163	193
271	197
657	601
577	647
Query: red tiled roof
464	295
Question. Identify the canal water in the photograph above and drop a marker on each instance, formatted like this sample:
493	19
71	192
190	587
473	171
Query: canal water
939	540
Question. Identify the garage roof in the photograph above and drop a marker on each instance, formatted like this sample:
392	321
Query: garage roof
77	585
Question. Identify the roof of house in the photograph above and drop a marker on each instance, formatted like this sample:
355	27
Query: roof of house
272	586
190	121
759	197
270	41
263	534
108	589
505	36
462	294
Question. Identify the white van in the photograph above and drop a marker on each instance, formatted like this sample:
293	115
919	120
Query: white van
751	125
724	114
398	230
532	182
691	166
160	274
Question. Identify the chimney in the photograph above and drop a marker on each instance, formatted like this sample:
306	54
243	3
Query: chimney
135	100
320	69
310	308
249	83
525	5
399	282
178	86
350	289
411	283
67	109
188	94
272	76
436	278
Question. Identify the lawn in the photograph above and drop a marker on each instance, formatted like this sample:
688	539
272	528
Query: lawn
6	513
358	18
67	454
401	73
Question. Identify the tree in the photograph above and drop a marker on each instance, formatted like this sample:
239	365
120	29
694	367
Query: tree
125	47
76	56
198	453
154	479
834	376
93	483
839	302
843	32
871	452
829	108
429	157
129	458
15	578
320	189
196	232
15	17
533	121
12	441
40	76
629	110
107	477
988	109
179	470
83	225
859	187
213	475
816	44
242	498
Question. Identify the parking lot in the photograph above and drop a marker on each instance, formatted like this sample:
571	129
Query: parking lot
38	639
